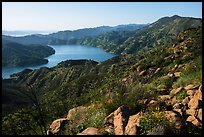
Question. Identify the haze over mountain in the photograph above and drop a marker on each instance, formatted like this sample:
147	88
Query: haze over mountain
63	37
19	33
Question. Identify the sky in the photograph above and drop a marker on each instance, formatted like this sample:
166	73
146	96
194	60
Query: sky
57	16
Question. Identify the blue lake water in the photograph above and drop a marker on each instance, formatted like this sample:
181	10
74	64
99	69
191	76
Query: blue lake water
62	53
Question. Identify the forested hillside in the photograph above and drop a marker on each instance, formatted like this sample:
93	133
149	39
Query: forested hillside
156	34
15	54
129	81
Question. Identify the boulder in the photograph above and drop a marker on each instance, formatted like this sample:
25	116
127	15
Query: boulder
190	92
153	103
198	95
133	122
199	114
121	116
191	111
109	120
175	91
186	100
163	98
78	110
190	86
174	118
177	106
193	120
174	101
90	131
195	103
57	126
200	88
177	74
178	111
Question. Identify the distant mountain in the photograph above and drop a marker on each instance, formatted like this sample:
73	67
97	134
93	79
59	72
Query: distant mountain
64	37
155	34
15	54
34	39
22	33
92	32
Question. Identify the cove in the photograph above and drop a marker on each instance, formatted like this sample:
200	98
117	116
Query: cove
62	53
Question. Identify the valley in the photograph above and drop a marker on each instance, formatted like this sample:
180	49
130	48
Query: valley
155	81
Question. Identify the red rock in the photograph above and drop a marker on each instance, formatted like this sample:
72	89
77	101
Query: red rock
120	118
152	103
191	112
193	120
56	126
90	131
194	103
179	111
198	95
175	91
177	106
200	88
186	100
174	101
190	86
78	110
190	92
199	114
133	122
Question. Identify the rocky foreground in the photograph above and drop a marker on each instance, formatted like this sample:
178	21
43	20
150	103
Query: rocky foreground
179	115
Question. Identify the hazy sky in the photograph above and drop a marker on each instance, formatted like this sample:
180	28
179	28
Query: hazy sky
55	16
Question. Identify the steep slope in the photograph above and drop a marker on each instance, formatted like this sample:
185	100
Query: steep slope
156	34
103	87
14	54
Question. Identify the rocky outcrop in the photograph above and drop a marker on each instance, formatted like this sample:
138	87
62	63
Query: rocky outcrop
90	131
56	128
77	110
195	108
122	122
175	91
133	123
121	116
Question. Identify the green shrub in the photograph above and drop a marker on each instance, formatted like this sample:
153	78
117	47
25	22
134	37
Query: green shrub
181	95
151	118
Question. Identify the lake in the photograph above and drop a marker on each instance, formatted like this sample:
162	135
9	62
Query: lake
62	53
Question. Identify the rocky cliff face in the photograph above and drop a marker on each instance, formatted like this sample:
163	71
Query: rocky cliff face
177	114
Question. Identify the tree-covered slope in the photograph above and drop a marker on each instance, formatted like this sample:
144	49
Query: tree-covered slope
156	34
103	87
15	54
